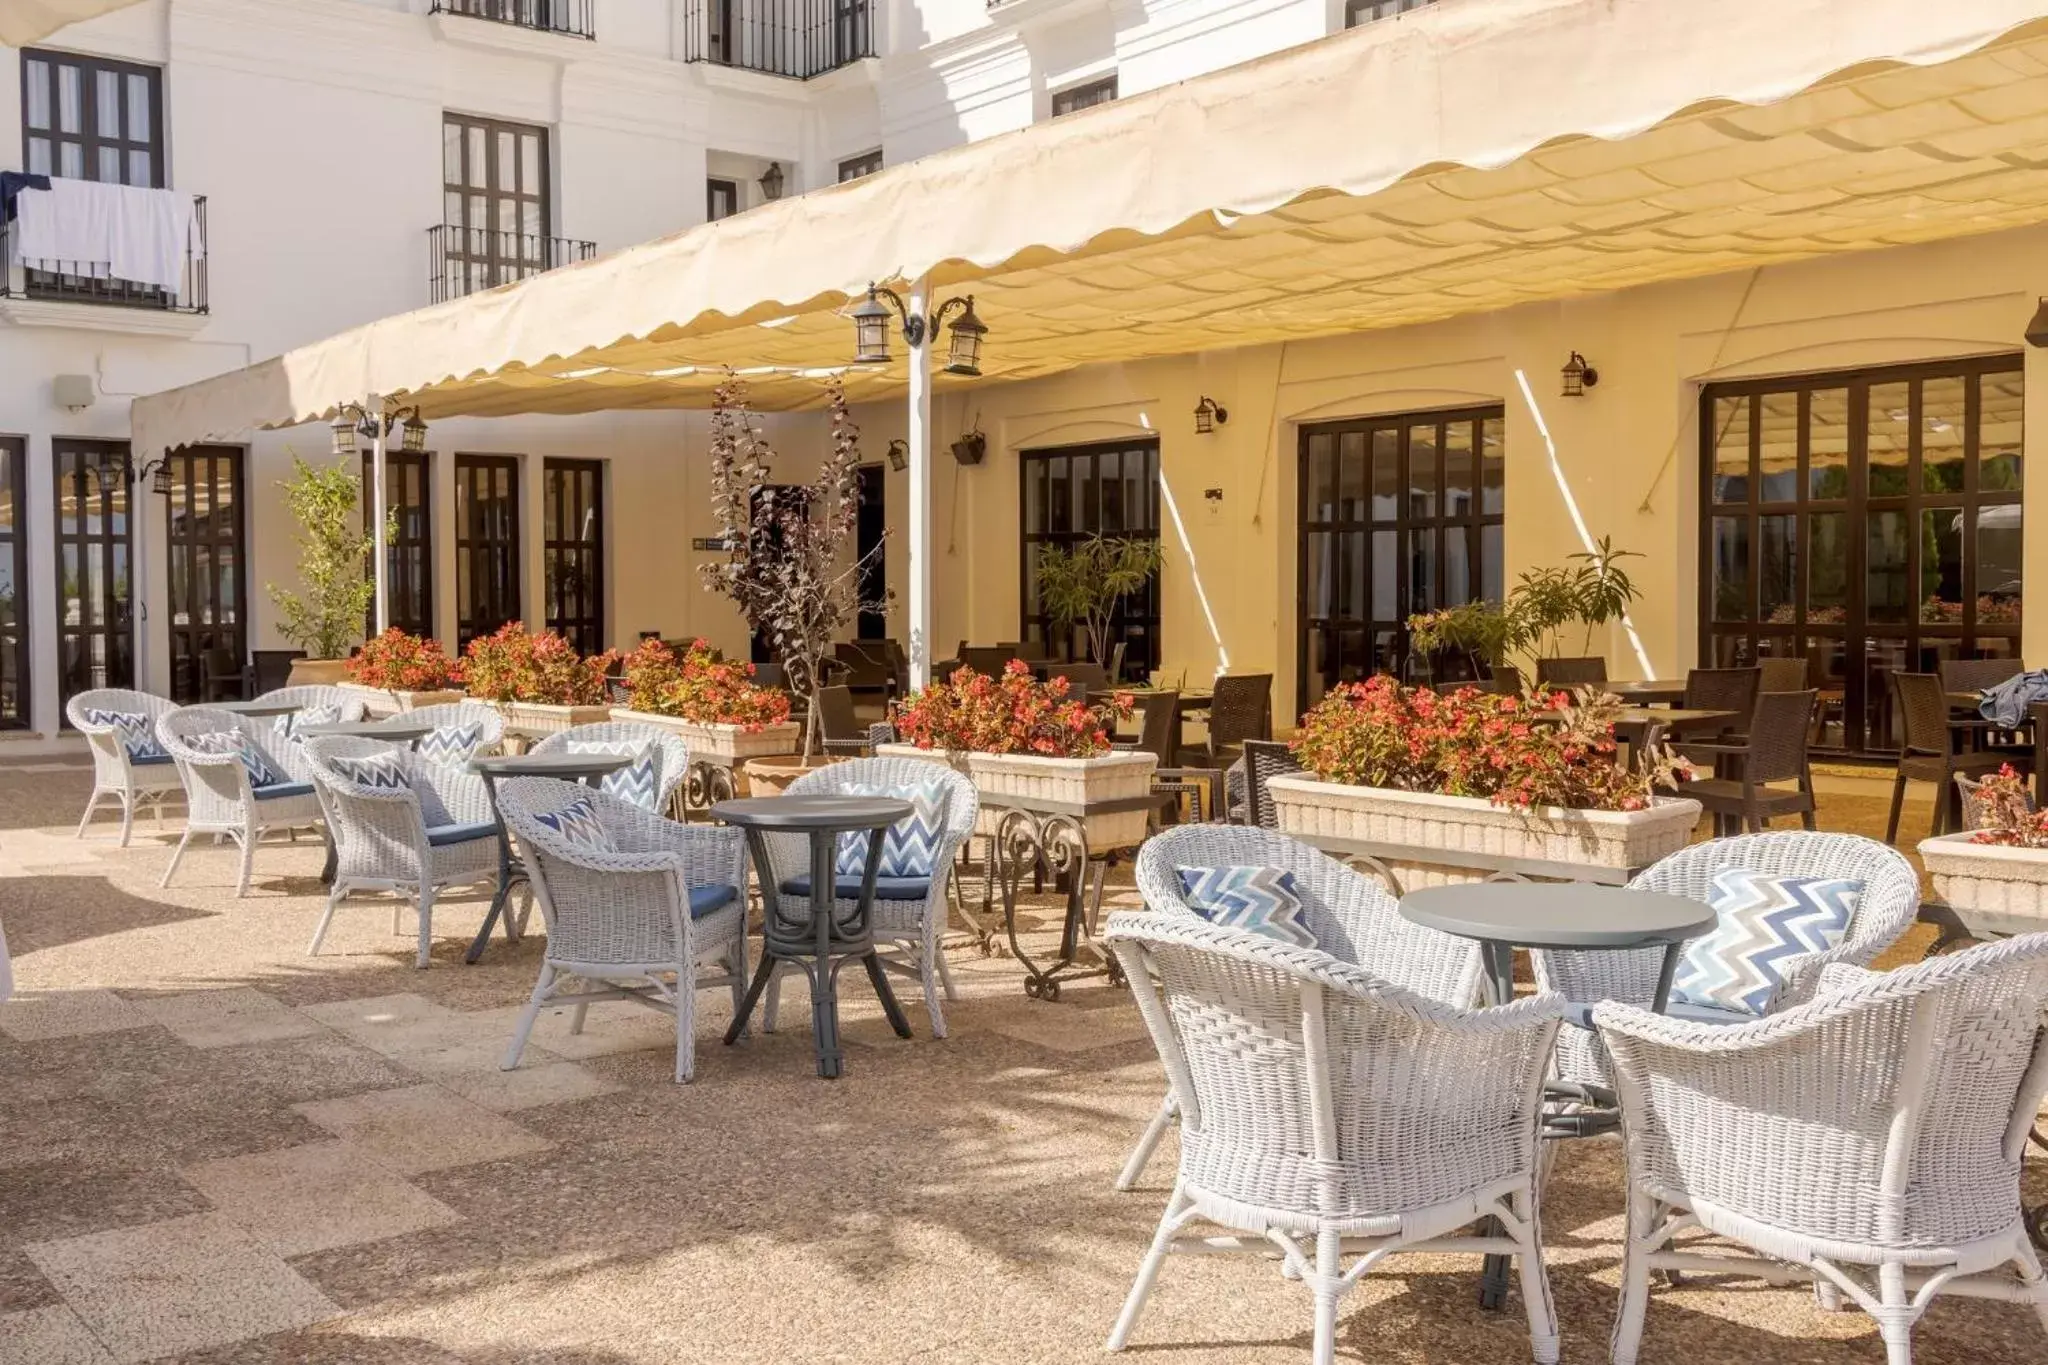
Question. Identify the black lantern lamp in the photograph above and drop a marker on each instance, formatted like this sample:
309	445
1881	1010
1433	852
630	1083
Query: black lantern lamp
872	315
771	182
899	455
344	429
1209	415
1578	376
871	328
415	433
353	420
963	353
2037	330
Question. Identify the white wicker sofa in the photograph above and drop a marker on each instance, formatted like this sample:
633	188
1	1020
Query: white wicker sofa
220	796
129	763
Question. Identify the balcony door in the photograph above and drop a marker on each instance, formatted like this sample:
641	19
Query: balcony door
14	697
95	556
494	190
409	558
573	552
208	576
1868	521
487	559
1072	493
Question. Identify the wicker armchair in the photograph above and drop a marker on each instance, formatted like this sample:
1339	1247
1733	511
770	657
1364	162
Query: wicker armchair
1330	1112
635	924
1352	915
1878	1129
277	731
1588	670
1885	911
1781	675
433	832
1158	735
1724	689
116	772
1933	748
1977	675
839	725
675	755
1264	760
448	718
219	798
1240	708
914	928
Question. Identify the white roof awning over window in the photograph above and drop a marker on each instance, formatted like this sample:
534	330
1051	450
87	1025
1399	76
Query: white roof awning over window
29	21
1465	158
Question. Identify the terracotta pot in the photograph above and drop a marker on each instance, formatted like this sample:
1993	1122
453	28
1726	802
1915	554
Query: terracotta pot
317	672
772	776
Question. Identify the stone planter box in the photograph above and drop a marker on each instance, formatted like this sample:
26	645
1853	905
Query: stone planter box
317	673
1030	777
727	744
1994	890
538	718
379	702
1463	824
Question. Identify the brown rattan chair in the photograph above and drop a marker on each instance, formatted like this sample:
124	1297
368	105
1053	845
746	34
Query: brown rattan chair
1775	751
1578	671
1240	708
1116	662
1158	732
1264	760
1936	748
987	660
841	730
1977	675
1781	675
1722	689
1082	678
1506	680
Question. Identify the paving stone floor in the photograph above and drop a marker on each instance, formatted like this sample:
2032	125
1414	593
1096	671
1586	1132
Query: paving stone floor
214	1149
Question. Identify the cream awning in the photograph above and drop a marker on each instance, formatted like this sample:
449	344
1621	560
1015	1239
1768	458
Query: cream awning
1468	157
26	21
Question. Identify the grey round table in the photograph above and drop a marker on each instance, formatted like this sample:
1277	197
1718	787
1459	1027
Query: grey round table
1504	916
396	729
821	940
566	766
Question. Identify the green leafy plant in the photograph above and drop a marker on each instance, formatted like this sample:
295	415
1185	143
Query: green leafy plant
1590	591
334	556
1080	585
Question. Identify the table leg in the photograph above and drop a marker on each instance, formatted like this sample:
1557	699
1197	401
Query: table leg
1499	962
897	1019
506	876
824	981
762	973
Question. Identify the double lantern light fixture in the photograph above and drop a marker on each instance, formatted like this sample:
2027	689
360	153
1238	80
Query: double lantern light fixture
353	420
871	318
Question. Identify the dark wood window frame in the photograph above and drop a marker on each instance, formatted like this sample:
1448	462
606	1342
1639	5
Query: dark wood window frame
871	530
1358	12
91	137
573	557
855	167
1086	95
1339	516
95	473
1136	622
410	582
15	701
486	254
1856	714
482	550
194	544
721	198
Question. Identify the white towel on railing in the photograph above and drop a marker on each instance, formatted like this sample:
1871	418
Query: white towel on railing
84	227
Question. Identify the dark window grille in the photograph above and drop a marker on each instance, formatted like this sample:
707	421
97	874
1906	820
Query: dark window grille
1079	97
409	557
14	676
576	18
496	228
573	551
799	38
1868	521
95	553
721	199
1365	11
854	167
871	529
487	561
1397	515
1071	493
208	578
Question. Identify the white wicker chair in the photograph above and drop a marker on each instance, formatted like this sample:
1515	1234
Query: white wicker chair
914	929
623	922
385	840
1352	915
675	755
114	773
1877	1128
218	796
449	715
1329	1112
1885	911
276	731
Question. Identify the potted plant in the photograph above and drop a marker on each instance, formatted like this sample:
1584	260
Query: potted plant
788	564
1017	737
1995	878
1080	585
713	703
1468	771
1535	622
397	672
539	681
334	554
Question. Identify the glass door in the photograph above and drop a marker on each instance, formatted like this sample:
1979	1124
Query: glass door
487	562
203	517
14	698
95	617
1867	521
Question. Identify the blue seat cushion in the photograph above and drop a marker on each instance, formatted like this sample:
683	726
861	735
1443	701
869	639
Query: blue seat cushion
148	759
439	835
271	791
848	888
705	899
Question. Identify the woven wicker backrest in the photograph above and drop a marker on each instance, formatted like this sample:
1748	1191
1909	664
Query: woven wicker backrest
963	803
1241	709
1574	671
1923	712
983	659
348	704
675	754
113	699
836	715
1157	727
464	713
1970	790
1975	675
1777	736
1082	678
1722	689
1781	675
1264	760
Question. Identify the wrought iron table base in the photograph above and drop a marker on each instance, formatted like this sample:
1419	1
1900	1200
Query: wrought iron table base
1056	842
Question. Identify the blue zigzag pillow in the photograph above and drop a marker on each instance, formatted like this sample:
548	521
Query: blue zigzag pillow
136	730
639	781
455	744
1767	923
911	845
1258	900
261	774
578	825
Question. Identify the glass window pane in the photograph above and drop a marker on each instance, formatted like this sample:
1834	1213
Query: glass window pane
1998	565
1886	594
36	86
1778	448
1998	433
1941	566
1458	470
451	153
39	156
1942	419
1827	568
1421	570
1318	550
1320	478
508	161
1777	568
71	160
478	162
1351	476
70	113
1350	585
1422	470
529	165
1890	432
141	169
107	98
1731	449
107	166
1731	568
1827	444
1386	474
1385	576
1493	486
138	107
1492	570
1457	566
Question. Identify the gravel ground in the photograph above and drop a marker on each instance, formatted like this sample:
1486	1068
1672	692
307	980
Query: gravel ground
216	1149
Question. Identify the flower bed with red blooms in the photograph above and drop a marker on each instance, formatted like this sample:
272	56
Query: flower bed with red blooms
2005	814
400	662
1013	714
512	665
701	687
1536	750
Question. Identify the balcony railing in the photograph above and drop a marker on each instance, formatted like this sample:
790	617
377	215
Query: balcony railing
800	38
60	281
464	260
576	18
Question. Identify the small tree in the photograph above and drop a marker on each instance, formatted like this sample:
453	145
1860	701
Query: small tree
334	555
1081	585
787	566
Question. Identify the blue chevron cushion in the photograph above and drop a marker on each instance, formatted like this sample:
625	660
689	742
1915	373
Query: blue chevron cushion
1767	923
384	772
137	733
451	743
261	774
639	781
1258	900
911	844
287	727
578	825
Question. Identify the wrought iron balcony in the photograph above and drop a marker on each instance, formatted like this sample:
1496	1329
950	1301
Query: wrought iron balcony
799	38
576	18
60	281
464	260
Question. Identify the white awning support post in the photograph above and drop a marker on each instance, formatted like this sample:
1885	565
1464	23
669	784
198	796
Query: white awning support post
380	513
919	437
138	500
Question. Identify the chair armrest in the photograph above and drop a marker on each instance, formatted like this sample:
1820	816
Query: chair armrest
462	794
1842	976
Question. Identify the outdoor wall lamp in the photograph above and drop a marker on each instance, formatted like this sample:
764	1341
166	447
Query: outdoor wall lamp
1578	376
899	455
352	420
1209	415
2037	330
771	182
871	330
157	471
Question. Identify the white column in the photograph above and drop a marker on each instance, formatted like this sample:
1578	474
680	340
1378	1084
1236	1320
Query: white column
919	434
380	567
138	572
